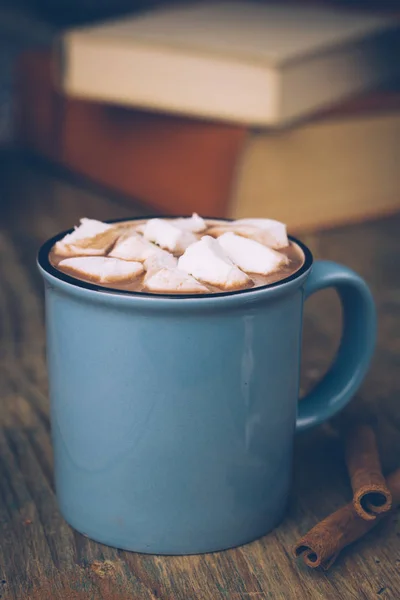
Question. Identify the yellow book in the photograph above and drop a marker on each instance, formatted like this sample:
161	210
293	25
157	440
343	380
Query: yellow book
327	172
241	62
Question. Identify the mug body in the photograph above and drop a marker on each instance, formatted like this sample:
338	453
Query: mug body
173	418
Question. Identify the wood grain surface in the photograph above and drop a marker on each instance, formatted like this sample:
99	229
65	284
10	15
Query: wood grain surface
42	558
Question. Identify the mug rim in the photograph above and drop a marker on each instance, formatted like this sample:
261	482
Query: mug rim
44	263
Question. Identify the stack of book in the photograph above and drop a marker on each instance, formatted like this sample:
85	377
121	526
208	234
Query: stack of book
227	109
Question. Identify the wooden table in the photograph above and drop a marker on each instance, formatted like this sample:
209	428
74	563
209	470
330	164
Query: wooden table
42	558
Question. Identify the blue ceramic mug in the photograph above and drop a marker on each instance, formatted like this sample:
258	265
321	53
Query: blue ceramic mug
173	417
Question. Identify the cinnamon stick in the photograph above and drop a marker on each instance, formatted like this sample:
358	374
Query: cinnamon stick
371	495
321	546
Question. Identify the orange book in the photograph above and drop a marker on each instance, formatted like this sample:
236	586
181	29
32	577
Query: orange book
176	165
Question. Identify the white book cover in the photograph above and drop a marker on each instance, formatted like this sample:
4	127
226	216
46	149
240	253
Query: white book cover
243	62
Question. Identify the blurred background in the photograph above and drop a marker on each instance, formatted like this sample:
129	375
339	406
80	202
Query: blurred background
336	164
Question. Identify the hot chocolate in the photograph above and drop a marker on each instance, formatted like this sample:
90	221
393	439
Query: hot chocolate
178	256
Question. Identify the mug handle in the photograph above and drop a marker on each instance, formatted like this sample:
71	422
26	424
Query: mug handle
356	348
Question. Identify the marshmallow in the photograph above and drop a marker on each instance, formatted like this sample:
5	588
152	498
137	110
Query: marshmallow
195	224
247	231
91	238
205	260
161	260
140	228
175	281
275	237
251	256
271	233
102	269
132	246
168	236
136	247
